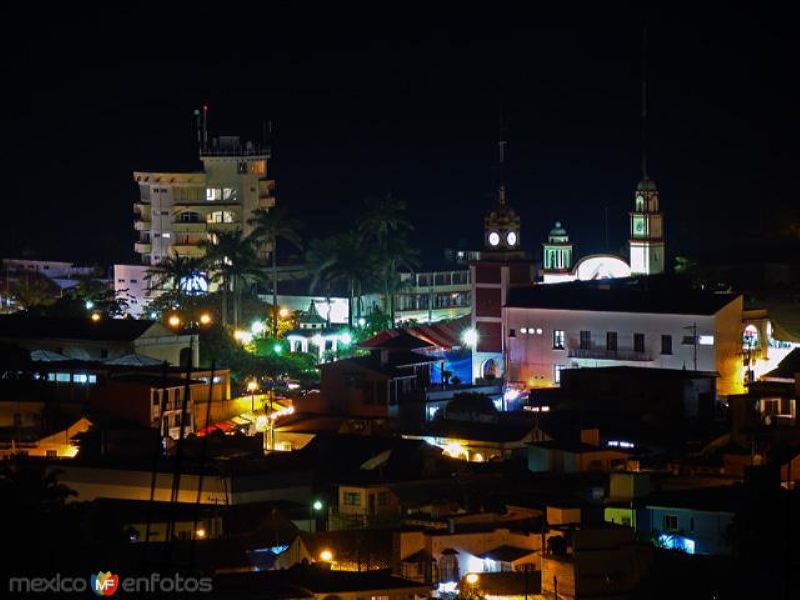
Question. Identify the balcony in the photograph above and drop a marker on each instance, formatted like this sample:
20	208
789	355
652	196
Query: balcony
188	249
198	227
140	225
142	247
604	354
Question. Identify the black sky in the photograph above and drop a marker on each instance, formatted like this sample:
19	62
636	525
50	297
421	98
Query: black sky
406	100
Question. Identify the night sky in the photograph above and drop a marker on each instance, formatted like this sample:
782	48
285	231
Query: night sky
407	100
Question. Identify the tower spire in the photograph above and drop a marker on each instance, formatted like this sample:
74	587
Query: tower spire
501	148
644	103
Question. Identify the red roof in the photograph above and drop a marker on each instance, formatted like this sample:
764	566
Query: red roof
443	335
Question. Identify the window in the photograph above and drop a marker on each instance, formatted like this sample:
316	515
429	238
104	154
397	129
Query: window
611	341
666	344
557	373
626	521
638	342
352	499
558	339
213	194
586	340
189	217
688	340
383	498
671	522
104	353
706	340
52	453
241	167
228	194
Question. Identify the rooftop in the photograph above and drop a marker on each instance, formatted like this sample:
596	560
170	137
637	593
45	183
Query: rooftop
117	330
654	294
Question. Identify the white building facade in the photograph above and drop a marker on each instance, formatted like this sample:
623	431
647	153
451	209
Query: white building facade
544	337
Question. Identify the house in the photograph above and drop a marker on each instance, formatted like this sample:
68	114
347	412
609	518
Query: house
696	521
579	456
365	504
102	340
443	557
580	560
375	385
476	441
652	322
317	582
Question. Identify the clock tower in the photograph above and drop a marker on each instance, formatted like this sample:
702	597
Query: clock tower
502	265
647	231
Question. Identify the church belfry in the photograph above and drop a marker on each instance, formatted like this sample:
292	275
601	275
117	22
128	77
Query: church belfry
646	240
647	231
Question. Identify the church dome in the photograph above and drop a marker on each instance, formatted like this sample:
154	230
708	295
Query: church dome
646	185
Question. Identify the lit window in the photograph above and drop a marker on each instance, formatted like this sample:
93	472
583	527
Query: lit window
166	234
523	330
559	339
557	373
213	194
706	340
671	522
352	499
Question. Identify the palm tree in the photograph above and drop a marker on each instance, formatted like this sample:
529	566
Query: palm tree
173	273
34	290
347	262
231	257
385	224
269	226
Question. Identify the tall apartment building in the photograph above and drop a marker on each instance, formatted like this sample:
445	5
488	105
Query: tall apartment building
177	211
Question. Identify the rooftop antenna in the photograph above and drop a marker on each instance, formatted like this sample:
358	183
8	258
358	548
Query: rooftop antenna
644	103
205	126
501	146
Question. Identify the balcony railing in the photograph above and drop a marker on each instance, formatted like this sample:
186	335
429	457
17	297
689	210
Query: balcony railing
605	354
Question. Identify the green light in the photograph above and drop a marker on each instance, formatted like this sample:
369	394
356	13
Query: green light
317	505
277	348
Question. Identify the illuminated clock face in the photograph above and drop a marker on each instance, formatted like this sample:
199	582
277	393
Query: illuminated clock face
638	225
494	238
511	238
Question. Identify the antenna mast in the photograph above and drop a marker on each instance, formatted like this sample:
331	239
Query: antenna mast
644	103
501	146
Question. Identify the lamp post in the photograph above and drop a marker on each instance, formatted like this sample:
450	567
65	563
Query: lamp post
313	509
252	386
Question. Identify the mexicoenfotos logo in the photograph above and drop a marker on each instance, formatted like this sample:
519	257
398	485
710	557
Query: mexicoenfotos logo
108	584
105	584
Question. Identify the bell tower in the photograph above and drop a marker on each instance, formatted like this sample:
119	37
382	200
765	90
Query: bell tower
646	239
502	265
647	231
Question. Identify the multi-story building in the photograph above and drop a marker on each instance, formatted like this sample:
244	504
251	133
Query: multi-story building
431	296
175	212
646	323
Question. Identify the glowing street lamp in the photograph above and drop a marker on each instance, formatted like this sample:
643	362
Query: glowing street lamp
472	578
252	386
283	312
89	305
257	328
317	505
95	317
470	337
277	348
174	321
201	533
205	319
346	338
326	555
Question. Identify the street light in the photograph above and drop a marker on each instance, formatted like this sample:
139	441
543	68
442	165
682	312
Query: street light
95	317
283	312
252	386
314	507
326	555
470	338
205	319
174	321
472	578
